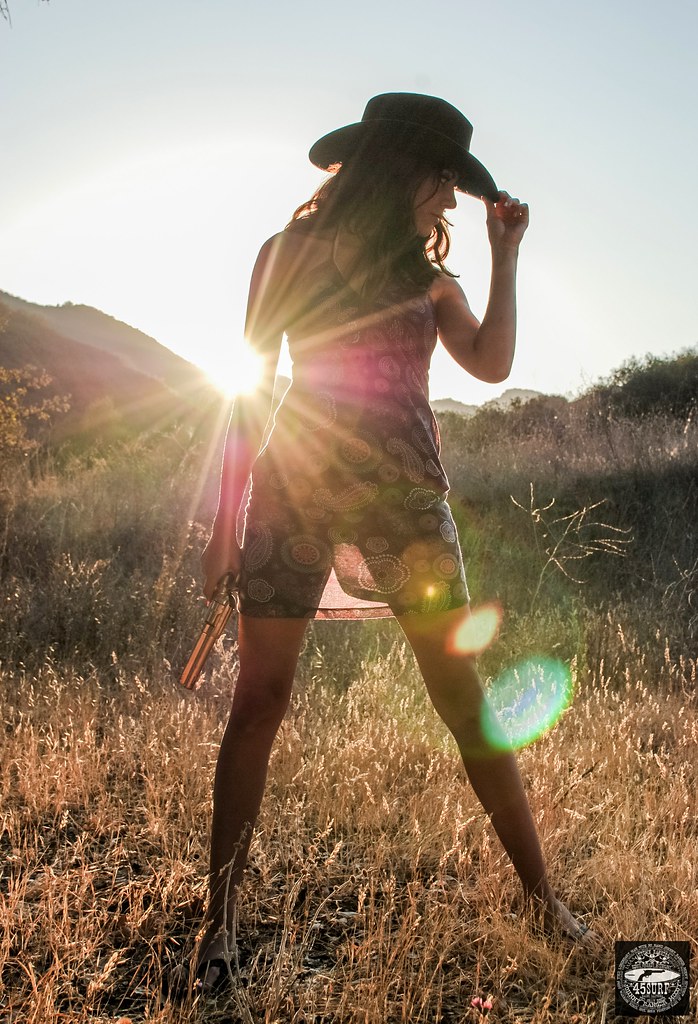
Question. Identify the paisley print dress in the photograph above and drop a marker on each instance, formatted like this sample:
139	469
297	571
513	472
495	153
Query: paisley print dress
347	514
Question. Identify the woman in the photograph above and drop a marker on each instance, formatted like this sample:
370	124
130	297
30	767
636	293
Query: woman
347	514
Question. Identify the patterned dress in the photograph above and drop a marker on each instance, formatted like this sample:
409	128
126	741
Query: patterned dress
347	514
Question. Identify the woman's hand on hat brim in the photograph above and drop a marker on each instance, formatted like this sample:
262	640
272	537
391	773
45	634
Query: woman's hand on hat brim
507	220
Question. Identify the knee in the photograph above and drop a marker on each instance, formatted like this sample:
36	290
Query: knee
457	693
461	702
477	730
259	704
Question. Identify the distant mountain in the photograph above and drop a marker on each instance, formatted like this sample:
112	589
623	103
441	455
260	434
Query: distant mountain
96	359
452	405
502	402
511	395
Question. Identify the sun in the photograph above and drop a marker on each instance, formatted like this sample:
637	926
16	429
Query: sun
236	369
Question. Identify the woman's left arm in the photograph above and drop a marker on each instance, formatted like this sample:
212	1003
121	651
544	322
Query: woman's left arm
486	350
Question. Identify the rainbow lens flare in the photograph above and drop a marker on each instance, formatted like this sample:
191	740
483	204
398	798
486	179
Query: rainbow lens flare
527	700
478	631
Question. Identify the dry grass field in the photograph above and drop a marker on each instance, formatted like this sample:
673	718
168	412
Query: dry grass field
376	891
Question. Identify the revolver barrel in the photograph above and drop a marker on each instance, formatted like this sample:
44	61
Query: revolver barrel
222	603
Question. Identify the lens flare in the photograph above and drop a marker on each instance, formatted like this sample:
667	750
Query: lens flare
527	700
478	631
238	371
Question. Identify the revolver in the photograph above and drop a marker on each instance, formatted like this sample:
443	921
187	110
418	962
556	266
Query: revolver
224	600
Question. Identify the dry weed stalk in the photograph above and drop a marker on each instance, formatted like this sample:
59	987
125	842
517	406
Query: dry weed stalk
564	541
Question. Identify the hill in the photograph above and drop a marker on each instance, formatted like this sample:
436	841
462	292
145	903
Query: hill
503	402
98	330
510	396
453	405
100	362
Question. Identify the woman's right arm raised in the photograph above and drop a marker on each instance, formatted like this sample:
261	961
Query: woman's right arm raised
264	327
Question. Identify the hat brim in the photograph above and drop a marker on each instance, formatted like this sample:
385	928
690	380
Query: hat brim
473	177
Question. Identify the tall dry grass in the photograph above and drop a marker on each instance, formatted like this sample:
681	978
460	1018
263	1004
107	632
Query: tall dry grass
640	478
376	890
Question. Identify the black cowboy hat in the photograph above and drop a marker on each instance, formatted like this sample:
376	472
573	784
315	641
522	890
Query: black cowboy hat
415	118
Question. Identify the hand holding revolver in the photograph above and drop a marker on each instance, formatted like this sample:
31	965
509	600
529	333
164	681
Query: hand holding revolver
223	601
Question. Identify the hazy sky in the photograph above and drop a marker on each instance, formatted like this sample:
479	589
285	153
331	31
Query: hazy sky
148	148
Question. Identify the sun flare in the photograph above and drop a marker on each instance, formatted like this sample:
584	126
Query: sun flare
237	370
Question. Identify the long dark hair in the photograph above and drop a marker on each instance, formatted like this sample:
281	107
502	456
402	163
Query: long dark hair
371	194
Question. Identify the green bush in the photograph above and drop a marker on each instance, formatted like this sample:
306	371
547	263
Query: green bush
651	386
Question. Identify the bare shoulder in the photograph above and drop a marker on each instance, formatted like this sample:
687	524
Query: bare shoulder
274	250
446	291
286	251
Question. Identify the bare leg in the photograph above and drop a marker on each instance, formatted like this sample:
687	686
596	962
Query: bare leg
458	696
268	650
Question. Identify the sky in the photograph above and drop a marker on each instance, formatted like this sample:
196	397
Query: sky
148	149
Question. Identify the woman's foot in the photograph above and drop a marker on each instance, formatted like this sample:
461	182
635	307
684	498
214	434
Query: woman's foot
215	962
557	922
